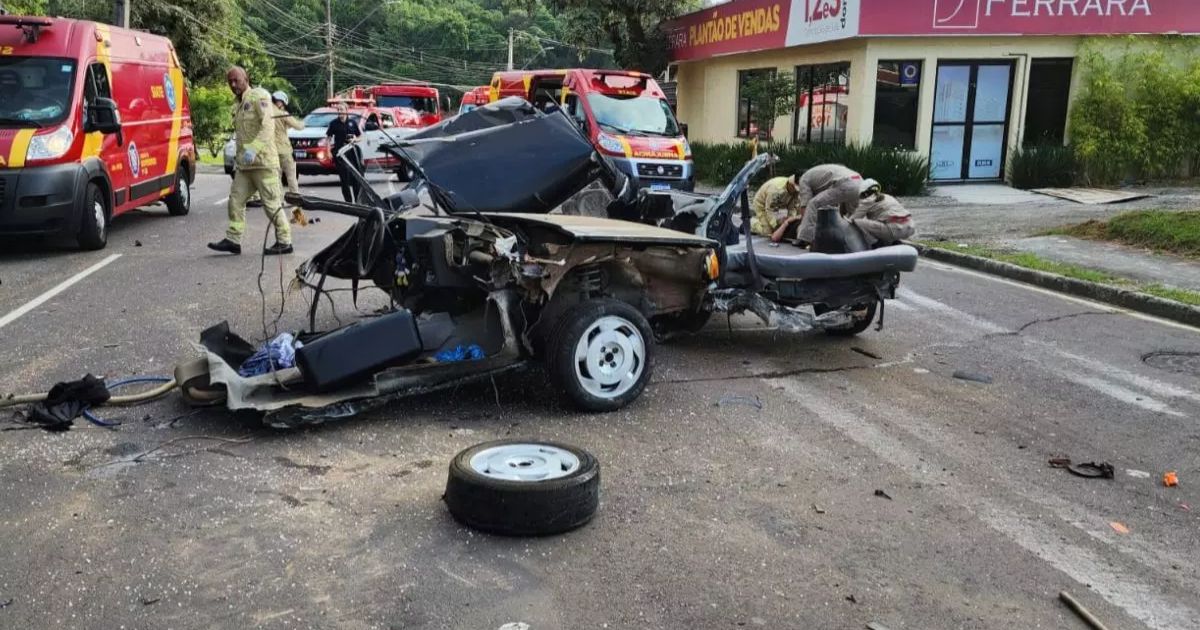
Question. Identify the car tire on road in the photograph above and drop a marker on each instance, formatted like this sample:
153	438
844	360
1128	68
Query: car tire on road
523	487
860	323
93	226
179	203
602	354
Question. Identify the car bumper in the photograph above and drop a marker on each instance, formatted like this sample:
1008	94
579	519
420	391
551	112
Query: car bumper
677	175
41	200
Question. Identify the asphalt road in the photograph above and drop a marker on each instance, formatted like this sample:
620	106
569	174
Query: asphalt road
715	513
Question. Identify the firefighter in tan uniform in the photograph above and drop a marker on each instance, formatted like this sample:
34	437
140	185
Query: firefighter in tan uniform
881	217
256	166
776	195
283	122
823	186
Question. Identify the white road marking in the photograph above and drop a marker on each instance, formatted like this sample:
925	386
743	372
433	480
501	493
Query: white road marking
221	201
1119	393
908	295
1062	296
899	306
63	286
1115	581
1151	385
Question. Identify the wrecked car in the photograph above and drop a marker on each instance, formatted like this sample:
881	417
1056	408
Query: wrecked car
480	279
839	285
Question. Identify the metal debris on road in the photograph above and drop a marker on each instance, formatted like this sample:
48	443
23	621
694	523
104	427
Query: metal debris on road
875	625
1137	474
881	493
972	376
1089	470
818	509
1083	613
1170	479
866	353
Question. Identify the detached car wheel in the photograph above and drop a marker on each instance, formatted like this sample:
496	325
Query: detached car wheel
862	314
523	488
93	226
602	354
179	203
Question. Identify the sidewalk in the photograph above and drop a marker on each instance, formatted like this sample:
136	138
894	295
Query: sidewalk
1117	260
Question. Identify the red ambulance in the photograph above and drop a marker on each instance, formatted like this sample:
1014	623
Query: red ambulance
625	114
94	122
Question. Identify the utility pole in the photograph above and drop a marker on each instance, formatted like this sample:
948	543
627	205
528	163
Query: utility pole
121	13
510	48
329	42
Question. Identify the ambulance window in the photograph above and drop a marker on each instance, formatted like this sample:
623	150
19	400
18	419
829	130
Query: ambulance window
387	120
576	109
97	83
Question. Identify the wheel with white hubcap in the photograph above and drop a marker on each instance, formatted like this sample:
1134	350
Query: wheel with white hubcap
93	224
523	487
179	202
602	354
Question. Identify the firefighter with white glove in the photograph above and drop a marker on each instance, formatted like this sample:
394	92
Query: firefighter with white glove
881	217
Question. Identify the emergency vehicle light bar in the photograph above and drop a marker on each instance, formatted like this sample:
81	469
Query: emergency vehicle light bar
30	25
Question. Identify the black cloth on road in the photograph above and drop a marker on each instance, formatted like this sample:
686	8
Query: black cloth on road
66	401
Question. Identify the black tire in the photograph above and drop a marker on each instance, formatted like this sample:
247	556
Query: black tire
523	508
93	225
859	324
597	393
179	203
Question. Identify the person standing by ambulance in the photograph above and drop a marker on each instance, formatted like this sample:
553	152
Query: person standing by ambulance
256	166
284	121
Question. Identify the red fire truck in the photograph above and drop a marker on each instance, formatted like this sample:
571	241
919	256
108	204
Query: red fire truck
474	98
625	114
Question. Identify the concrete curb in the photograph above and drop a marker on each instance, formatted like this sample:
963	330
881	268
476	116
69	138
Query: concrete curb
1125	298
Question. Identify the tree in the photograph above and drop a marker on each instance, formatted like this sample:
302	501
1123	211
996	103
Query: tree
632	27
771	95
212	115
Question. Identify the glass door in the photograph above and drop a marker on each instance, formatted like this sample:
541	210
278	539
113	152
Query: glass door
970	120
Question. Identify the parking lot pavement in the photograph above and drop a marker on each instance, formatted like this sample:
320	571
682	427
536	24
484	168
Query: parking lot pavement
715	513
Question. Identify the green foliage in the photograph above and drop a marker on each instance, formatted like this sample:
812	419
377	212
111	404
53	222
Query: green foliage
1136	113
25	7
1042	166
772	94
212	116
899	172
1174	232
630	26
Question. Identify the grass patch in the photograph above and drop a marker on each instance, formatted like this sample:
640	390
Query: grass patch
1159	230
1037	263
1030	261
209	158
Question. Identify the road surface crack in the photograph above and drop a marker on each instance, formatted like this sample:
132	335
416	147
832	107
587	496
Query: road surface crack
1045	320
769	375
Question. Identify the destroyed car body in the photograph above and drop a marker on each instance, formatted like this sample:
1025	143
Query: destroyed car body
839	285
468	258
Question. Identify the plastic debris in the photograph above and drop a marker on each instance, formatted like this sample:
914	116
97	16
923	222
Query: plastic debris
1170	479
1118	527
281	352
1137	474
460	353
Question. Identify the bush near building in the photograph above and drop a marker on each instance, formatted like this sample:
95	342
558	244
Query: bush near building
1043	166
899	172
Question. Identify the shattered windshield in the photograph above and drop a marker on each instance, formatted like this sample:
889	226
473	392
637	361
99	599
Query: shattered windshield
34	91
633	115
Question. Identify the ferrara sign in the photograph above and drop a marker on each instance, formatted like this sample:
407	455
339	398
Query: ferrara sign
749	25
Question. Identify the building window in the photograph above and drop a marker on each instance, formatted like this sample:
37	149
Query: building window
747	114
1046	107
897	92
822	101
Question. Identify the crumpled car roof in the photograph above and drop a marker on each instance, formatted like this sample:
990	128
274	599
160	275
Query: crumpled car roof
504	157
